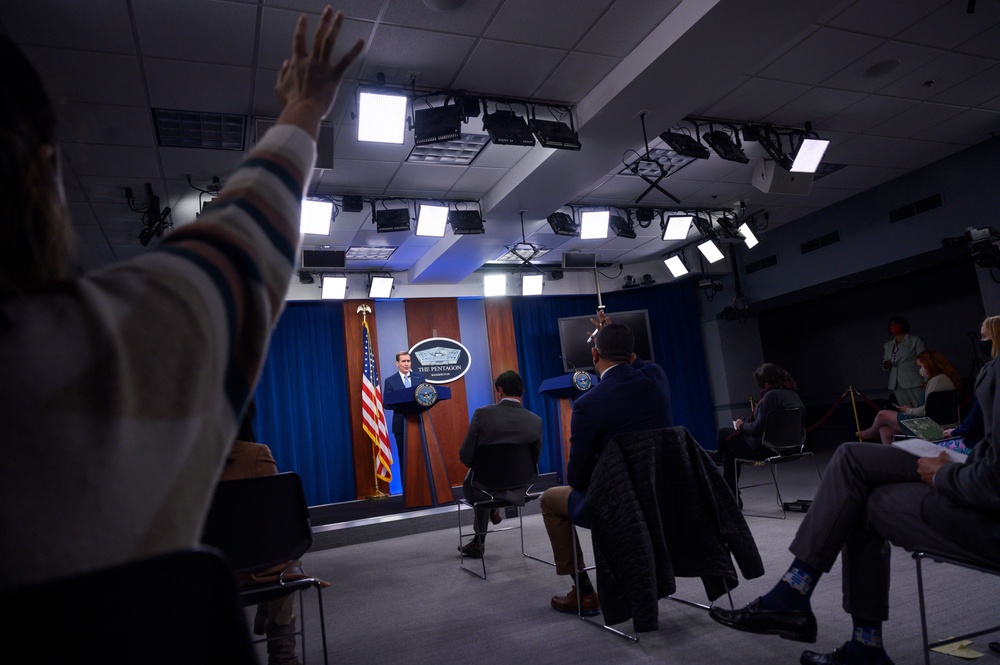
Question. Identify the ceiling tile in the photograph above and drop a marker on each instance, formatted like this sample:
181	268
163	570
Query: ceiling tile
98	25
986	43
974	90
554	24
869	112
356	9
916	120
109	160
755	100
853	76
434	57
100	123
575	77
278	26
912	154
218	33
886	18
190	86
497	68
478	179
821	55
352	176
952	26
943	73
624	26
99	78
470	19
969	127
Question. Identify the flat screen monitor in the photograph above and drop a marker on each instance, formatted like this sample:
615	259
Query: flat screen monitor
574	331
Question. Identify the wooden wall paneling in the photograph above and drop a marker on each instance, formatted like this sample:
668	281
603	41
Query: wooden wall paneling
502	343
364	452
438	317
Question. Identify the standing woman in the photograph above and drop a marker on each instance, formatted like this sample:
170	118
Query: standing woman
900	359
778	390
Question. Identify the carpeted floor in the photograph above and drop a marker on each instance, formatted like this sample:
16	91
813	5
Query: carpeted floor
405	600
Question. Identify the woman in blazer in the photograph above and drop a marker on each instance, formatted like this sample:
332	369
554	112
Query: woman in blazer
899	358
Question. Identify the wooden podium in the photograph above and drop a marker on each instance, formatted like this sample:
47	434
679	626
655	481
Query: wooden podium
562	389
425	479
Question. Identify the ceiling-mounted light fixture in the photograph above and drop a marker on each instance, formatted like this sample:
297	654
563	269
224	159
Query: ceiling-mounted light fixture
381	116
685	145
334	287
711	251
562	224
675	264
676	227
315	217
431	221
437	124
726	146
466	222
555	134
380	286
532	284
623	228
507	128
494	284
809	155
594	224
389	220
748	237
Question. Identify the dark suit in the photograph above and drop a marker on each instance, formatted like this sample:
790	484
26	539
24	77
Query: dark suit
505	422
872	495
627	399
391	383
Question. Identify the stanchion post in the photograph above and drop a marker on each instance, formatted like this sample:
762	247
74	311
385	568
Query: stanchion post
854	407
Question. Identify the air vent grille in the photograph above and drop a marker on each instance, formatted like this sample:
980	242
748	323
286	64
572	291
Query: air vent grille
194	129
820	242
757	266
915	208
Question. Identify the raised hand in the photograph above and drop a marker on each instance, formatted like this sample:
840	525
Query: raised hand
308	81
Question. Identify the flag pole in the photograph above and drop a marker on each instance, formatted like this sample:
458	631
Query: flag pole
364	310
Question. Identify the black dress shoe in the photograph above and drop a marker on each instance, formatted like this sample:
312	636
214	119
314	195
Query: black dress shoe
495	517
837	657
472	549
798	625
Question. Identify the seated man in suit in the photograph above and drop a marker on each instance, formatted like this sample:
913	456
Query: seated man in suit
507	421
631	396
403	378
871	496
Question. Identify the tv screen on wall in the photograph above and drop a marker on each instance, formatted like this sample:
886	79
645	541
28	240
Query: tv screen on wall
574	331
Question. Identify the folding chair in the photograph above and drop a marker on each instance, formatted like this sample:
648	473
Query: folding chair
260	523
942	407
179	607
919	557
785	436
501	467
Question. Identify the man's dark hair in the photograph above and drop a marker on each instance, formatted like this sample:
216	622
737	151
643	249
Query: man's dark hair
510	383
770	375
615	343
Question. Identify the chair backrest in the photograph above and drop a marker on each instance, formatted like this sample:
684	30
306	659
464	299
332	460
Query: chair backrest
180	607
942	407
502	466
784	430
259	522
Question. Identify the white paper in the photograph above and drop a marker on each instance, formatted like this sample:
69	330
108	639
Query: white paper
921	448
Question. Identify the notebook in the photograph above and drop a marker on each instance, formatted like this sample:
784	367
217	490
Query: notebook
923	428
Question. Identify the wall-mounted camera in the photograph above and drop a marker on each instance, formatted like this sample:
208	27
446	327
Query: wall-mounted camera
982	243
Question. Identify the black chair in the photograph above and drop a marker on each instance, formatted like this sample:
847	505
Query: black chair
180	607
942	407
919	557
501	467
785	436
260	523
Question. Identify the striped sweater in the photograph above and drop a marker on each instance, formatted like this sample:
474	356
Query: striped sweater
121	390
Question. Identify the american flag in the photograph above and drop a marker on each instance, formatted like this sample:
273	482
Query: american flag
372	414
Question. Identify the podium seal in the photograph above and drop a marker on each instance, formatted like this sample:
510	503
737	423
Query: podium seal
425	395
582	381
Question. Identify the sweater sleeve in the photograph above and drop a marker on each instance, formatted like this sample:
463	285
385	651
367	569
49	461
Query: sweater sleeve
937	383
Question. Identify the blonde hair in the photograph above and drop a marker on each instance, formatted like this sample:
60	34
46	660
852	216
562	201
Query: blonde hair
992	327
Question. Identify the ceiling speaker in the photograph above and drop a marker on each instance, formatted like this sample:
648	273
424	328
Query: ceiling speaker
770	178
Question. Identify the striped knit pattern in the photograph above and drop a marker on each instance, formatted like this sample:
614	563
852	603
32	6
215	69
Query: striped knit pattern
124	388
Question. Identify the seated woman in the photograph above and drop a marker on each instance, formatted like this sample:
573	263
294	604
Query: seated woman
972	428
938	374
778	390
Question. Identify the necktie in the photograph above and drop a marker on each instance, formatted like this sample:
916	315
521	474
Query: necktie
406	380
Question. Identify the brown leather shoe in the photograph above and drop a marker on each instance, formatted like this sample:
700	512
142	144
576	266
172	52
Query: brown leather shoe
495	517
589	604
473	549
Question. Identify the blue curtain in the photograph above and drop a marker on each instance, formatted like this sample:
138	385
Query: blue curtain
677	345
302	401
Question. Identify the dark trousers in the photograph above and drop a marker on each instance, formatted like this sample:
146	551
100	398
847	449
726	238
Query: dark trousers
869	497
481	522
731	449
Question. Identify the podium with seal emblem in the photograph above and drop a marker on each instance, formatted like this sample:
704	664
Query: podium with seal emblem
425	478
565	388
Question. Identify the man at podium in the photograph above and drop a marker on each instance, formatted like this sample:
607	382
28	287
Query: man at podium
401	380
